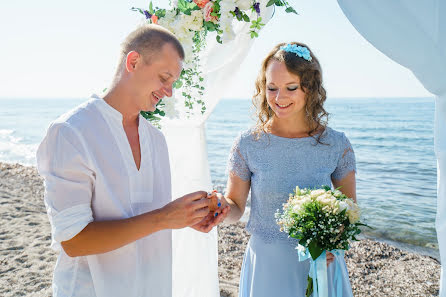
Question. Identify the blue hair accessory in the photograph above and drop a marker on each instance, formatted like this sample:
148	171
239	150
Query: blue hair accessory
300	51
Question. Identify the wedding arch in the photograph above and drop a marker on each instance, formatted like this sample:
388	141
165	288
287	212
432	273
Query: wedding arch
412	33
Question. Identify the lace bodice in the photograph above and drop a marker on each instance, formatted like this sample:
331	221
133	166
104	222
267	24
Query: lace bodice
276	165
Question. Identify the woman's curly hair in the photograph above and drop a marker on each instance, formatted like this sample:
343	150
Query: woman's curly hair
310	74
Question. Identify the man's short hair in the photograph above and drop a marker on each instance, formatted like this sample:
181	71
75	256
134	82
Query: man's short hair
148	40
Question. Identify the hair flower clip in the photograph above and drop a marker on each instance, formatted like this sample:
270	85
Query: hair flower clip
300	51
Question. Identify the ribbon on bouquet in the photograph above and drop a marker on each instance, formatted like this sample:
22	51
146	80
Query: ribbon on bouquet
318	272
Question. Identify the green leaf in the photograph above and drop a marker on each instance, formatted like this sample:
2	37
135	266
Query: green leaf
315	250
246	18
186	7
270	2
210	26
137	9
291	10
177	84
151	7
160	13
219	39
309	290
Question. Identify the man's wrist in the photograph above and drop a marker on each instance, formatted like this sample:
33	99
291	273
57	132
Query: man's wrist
157	219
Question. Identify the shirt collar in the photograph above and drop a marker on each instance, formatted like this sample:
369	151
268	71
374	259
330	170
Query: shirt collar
106	109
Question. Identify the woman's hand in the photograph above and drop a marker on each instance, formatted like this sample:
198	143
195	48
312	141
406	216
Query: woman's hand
219	210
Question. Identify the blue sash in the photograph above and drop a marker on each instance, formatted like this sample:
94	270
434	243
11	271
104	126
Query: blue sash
318	272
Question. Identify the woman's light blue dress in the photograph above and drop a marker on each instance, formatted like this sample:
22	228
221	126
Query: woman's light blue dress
276	165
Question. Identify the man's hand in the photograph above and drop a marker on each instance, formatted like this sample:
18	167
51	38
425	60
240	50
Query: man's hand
215	217
186	211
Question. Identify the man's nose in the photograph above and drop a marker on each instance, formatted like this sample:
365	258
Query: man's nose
168	91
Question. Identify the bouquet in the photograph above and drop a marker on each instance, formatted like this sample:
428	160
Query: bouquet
321	220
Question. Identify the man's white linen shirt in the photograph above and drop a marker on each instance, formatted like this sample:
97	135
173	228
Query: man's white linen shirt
90	175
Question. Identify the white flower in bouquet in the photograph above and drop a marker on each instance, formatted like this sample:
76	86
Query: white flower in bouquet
317	216
337	193
342	205
317	193
353	211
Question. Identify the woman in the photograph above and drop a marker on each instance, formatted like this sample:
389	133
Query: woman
290	146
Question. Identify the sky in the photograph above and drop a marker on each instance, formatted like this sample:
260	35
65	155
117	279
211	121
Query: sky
68	49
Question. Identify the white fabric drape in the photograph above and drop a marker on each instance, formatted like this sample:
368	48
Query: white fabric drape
413	34
195	255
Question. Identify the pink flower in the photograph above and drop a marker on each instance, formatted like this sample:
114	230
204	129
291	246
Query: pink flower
201	3
208	9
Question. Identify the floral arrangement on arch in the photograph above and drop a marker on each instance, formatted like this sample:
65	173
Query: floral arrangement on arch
191	21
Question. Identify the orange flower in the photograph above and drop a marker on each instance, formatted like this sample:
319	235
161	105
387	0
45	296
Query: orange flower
201	3
154	19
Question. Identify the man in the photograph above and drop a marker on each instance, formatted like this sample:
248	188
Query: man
107	181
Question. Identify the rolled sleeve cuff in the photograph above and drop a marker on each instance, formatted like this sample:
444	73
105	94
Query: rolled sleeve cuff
68	223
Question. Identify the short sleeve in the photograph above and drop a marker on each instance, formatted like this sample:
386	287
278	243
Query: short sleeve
346	161
63	163
237	164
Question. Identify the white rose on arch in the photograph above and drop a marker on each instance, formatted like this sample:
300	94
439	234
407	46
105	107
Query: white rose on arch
244	4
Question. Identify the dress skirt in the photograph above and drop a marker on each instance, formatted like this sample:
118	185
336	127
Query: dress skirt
274	269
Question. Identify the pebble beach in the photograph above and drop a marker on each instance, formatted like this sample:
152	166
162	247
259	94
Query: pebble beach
27	262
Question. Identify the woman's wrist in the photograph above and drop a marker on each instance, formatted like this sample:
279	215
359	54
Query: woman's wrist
235	214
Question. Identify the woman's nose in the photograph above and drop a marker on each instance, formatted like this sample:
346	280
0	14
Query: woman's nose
279	95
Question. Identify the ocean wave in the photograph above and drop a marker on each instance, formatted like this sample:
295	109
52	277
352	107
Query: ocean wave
5	132
14	149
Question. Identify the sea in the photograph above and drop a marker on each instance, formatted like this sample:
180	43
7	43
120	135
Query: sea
392	139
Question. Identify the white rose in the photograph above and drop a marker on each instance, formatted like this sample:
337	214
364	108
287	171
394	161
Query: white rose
337	193
244	4
170	107
353	211
316	193
342	205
